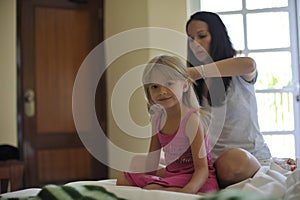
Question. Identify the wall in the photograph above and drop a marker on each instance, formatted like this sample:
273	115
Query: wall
121	16
8	73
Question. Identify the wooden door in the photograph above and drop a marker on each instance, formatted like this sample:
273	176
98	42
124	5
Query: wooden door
54	37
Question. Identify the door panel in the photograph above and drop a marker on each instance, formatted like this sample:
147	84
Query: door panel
61	33
54	38
54	160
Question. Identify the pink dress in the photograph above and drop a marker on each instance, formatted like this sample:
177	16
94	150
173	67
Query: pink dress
180	167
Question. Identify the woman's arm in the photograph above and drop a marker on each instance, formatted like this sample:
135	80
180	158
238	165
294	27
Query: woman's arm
198	148
239	66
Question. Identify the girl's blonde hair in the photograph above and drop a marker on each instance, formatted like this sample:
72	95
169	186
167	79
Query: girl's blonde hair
173	69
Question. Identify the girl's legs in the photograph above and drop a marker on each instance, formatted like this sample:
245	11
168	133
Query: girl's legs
235	165
122	180
138	179
159	187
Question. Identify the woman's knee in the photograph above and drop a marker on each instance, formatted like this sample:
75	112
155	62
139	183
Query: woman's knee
235	165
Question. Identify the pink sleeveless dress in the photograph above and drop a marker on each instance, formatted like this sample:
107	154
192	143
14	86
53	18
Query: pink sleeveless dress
179	160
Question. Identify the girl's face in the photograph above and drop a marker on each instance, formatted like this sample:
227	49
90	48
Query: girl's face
166	92
200	39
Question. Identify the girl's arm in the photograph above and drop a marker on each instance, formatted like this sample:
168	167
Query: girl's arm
153	158
149	163
238	66
198	147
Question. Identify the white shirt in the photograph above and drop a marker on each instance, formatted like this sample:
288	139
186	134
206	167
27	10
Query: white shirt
235	124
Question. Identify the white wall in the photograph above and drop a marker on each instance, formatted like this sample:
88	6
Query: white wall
126	15
8	73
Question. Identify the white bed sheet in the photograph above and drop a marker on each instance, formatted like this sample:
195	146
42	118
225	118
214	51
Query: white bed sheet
127	192
268	181
272	181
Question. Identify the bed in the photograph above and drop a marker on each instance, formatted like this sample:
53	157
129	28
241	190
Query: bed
270	182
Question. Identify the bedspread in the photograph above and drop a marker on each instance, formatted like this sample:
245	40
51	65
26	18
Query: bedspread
272	182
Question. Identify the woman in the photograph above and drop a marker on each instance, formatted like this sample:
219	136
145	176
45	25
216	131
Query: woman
225	81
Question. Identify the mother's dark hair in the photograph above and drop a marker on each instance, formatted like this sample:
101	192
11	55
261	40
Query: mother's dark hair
220	48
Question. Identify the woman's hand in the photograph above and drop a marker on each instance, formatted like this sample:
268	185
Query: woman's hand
239	66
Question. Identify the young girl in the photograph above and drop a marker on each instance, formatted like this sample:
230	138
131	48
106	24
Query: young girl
179	128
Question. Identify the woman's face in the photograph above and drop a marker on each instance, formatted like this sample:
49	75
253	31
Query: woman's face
200	39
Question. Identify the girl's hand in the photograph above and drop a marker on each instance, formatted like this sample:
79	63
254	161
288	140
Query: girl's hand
154	111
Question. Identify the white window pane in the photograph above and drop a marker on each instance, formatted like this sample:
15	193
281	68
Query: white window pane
281	146
274	70
235	28
268	30
220	5
259	4
275	111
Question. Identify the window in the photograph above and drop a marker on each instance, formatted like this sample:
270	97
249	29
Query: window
266	30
